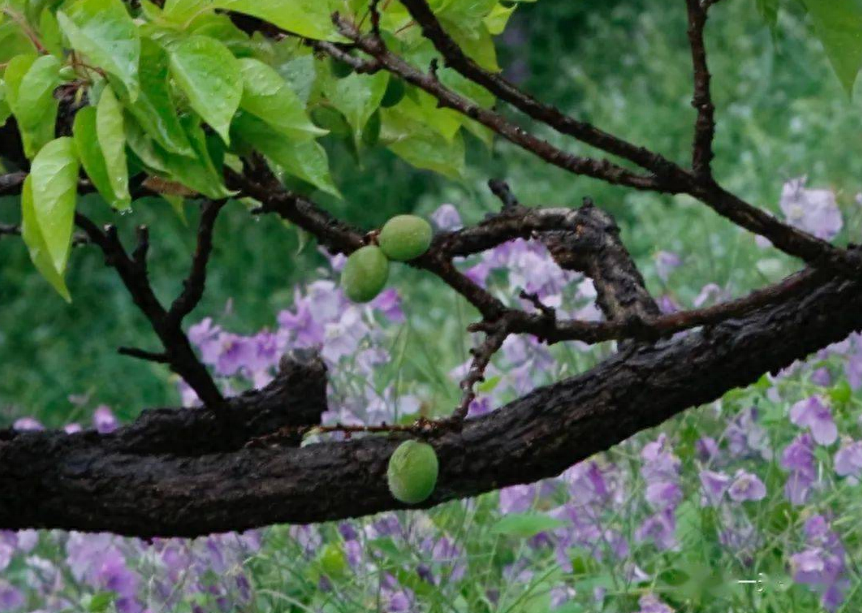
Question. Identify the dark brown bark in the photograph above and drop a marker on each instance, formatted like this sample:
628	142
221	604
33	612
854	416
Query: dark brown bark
91	482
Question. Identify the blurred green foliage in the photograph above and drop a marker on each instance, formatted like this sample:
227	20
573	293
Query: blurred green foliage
622	65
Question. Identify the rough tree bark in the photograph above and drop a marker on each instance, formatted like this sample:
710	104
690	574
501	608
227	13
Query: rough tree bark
116	483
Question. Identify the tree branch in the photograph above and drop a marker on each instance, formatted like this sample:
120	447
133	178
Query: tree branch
598	169
454	57
702	153
133	272
193	286
54	480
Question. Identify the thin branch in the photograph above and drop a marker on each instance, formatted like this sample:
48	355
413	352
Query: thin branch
194	284
455	58
704	128
133	272
10	183
358	64
143	354
482	354
599	169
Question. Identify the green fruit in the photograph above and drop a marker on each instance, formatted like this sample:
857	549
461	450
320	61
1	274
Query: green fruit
412	472
405	237
394	93
365	274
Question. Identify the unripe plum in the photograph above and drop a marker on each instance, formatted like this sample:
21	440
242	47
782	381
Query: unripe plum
405	237
412	473
365	274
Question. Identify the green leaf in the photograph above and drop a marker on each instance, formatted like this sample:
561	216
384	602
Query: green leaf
154	108
526	525
307	18
357	97
5	111
104	32
305	160
100	602
497	19
839	26
210	77
55	186
198	173
49	32
30	84
13	41
768	9
32	235
90	154
420	145
112	141
267	96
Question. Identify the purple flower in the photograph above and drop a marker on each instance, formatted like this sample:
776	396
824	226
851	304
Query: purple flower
660	529
822	564
27	423
848	459
104	420
706	448
650	603
204	335
306	331
517	498
479	407
714	486
236	352
388	303
812	413
821	377
709	292
746	486
812	210
798	459
446	218
745	437
663	494
665	263
11	597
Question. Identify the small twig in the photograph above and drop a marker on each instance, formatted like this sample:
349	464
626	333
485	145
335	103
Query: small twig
142	354
194	284
495	335
533	298
359	65
502	191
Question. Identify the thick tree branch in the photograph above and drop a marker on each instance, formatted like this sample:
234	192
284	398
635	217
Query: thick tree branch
592	246
89	482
